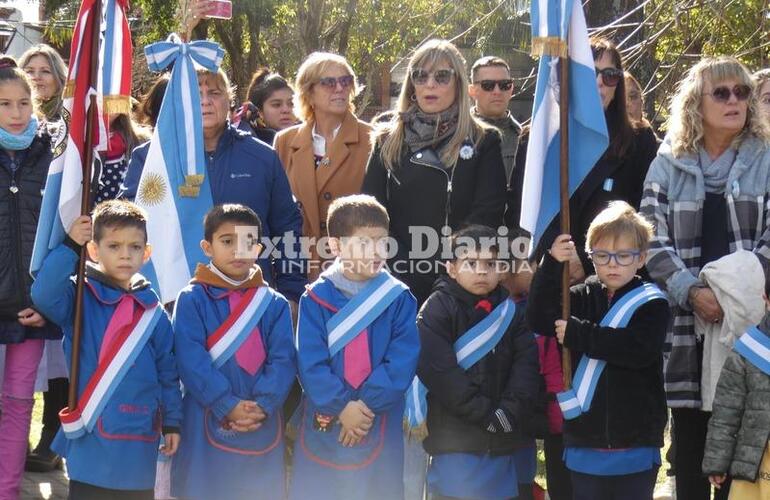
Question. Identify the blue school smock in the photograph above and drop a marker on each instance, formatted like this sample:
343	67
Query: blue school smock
606	462
323	468
213	462
121	451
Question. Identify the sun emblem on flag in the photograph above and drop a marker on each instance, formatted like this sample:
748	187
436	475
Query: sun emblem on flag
152	190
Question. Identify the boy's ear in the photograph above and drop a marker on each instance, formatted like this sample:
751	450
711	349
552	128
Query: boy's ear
206	247
451	269
93	250
642	260
335	246
147	253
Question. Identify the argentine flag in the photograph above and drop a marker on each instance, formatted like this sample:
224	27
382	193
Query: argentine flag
552	21
174	188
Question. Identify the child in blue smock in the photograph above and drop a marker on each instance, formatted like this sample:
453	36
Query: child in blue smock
616	410
479	365
357	349
128	387
234	345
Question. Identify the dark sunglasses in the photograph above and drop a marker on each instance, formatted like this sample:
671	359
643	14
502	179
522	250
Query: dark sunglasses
489	85
441	76
331	82
723	93
610	76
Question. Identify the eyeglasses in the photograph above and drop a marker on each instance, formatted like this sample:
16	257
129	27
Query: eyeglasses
610	76
489	85
440	76
622	258
723	93
331	82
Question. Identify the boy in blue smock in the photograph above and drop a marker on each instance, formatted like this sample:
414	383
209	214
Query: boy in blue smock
615	413
128	387
357	349
234	345
479	365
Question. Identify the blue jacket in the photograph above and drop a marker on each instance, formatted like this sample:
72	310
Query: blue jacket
212	463
122	450
245	170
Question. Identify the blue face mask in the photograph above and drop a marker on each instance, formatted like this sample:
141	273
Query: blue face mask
18	142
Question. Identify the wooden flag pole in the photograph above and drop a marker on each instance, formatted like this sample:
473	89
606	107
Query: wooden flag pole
566	358
85	209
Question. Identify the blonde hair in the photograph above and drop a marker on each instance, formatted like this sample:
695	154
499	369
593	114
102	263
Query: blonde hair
391	134
685	125
217	79
310	72
55	61
620	219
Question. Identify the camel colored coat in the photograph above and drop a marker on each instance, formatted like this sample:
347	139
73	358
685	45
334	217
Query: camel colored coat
315	189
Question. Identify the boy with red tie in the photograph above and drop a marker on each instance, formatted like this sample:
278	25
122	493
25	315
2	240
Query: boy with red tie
128	389
233	341
357	349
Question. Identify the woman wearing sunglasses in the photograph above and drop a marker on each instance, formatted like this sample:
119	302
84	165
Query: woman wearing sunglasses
434	164
325	156
707	191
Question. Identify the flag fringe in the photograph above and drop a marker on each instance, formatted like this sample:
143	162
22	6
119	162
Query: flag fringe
552	46
117	104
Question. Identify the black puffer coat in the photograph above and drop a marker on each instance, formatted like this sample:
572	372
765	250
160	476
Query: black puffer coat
20	198
462	405
629	406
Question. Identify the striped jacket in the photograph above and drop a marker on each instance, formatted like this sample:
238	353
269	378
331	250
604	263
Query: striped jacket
673	199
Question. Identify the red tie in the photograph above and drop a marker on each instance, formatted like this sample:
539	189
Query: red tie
356	360
251	354
122	318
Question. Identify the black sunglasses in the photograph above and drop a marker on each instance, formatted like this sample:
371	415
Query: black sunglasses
723	93
610	76
441	76
489	85
331	82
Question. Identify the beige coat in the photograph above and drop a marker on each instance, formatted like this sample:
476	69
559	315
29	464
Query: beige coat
315	189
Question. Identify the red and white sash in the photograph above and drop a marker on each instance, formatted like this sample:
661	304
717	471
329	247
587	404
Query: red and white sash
239	325
113	366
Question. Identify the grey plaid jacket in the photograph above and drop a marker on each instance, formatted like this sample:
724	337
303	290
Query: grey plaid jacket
673	200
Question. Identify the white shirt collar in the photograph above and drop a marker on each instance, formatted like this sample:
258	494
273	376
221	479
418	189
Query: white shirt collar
319	142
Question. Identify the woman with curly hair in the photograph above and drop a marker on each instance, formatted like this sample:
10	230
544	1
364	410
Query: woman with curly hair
708	193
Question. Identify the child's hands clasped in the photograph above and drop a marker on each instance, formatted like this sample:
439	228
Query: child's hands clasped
247	416
356	420
81	231
716	480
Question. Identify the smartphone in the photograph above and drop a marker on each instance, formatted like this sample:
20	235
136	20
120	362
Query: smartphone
220	9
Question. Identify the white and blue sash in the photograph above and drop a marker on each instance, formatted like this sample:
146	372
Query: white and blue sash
225	341
577	400
108	375
469	349
362	310
754	345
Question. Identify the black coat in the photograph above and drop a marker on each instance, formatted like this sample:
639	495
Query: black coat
421	192
610	179
629	405
462	404
19	213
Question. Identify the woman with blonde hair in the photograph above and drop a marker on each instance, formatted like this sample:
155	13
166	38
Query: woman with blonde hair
325	156
434	163
762	77
48	74
707	192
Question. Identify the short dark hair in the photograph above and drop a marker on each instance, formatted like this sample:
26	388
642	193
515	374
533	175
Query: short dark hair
349	213
474	236
263	84
229	212
486	61
118	214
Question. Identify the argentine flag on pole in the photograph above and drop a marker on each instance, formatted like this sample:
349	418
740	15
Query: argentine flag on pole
559	29
174	188
63	188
